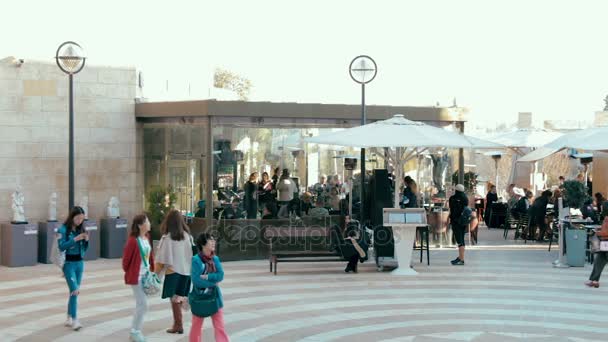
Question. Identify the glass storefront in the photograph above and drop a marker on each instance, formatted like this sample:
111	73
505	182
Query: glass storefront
174	155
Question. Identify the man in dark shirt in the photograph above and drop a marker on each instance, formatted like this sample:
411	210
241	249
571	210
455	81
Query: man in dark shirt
457	203
491	197
538	213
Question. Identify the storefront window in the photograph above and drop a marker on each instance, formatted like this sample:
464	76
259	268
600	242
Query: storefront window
174	156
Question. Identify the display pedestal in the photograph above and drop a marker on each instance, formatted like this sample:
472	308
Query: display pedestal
19	244
113	237
404	236
93	230
46	234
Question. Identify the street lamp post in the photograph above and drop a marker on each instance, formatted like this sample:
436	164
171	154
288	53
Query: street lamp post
70	59
362	70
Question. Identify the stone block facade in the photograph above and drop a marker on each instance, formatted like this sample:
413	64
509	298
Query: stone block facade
34	138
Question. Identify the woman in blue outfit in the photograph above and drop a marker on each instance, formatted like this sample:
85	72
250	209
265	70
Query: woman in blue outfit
207	272
74	241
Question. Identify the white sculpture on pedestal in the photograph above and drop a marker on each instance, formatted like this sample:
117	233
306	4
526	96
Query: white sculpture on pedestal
113	209
84	204
17	206
53	207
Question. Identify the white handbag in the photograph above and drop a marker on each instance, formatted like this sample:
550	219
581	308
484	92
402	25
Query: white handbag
57	256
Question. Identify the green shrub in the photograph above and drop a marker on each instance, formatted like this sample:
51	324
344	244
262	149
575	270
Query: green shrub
160	201
575	194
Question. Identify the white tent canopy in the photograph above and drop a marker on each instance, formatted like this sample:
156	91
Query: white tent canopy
526	138
538	154
521	141
591	139
399	132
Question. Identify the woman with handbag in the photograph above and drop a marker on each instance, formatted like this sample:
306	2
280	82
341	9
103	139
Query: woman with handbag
74	242
601	257
138	263
173	257
206	297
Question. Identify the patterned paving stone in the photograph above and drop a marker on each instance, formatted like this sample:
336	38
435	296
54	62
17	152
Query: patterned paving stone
507	291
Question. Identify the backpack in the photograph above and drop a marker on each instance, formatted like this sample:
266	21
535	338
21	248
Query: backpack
465	217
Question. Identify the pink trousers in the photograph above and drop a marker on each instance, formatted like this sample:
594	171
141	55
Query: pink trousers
196	331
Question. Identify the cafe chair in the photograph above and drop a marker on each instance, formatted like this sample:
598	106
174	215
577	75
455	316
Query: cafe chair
422	236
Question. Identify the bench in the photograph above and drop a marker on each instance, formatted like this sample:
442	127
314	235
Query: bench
319	233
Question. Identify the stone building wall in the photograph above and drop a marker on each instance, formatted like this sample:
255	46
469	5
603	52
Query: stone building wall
34	138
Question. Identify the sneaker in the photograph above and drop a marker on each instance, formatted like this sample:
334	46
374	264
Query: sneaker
458	263
453	262
137	336
76	325
68	322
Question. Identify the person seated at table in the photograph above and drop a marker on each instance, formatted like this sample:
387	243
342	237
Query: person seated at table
318	210
588	211
306	203
522	206
515	194
270	211
334	198
320	188
602	205
234	211
538	213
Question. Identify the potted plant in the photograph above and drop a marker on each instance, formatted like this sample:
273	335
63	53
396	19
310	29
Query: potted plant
160	201
575	194
470	181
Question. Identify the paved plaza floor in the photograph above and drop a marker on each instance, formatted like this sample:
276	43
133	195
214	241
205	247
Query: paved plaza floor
507	291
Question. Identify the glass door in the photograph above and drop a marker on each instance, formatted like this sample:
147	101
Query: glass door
185	178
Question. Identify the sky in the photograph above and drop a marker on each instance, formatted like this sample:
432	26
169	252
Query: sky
497	58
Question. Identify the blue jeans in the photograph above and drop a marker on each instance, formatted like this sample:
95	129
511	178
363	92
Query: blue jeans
73	276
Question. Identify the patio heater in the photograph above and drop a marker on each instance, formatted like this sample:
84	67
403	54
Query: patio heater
363	70
585	159
70	59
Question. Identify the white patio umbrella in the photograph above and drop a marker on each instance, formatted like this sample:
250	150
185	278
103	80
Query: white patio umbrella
399	132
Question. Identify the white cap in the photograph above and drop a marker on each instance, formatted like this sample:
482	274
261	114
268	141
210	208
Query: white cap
519	191
460	187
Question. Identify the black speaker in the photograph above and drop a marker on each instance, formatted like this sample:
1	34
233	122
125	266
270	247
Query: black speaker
384	245
350	163
379	195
